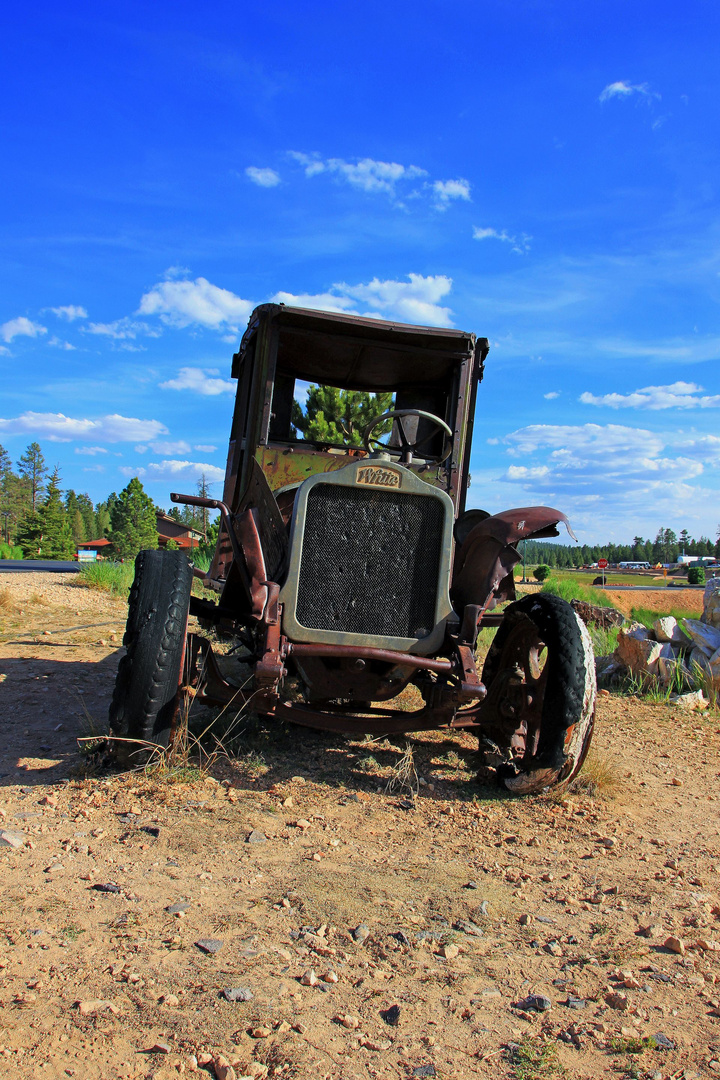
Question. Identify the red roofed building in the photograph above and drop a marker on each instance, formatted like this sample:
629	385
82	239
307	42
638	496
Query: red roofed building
168	529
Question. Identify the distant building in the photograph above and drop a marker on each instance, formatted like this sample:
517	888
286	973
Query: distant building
168	529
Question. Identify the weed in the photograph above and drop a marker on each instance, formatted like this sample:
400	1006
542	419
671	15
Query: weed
534	1059
574	590
631	1044
598	778
598	929
38	598
367	764
604	641
647	616
111	577
71	932
404	776
6	600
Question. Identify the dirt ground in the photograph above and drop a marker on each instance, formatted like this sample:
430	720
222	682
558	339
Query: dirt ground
363	938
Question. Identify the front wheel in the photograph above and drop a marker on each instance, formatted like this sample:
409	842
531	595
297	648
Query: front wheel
147	689
540	708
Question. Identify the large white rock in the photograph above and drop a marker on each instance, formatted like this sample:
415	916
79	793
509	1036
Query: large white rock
668	629
704	636
637	653
711	603
695	700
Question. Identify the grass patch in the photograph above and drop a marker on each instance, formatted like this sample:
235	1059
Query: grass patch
110	577
631	1044
6	601
72	932
598	778
534	1059
575	590
647	616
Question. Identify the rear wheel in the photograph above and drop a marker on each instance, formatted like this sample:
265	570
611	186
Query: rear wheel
145	700
540	708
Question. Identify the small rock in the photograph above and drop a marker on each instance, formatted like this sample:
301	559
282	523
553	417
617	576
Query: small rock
159	1048
376	1045
361	933
618	1001
108	887
260	1032
330	977
675	782
151	830
554	948
391	1016
525	919
309	978
535	1003
11	839
575	1002
348	1021
449	951
257	837
237	993
302	823
467	927
90	1008
209	945
651	931
471	885
169	999
674	945
223	1069
663	1042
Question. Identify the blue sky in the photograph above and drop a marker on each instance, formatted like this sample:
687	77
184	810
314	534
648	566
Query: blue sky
542	173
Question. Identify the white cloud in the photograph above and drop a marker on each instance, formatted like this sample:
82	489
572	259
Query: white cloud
447	190
551	395
622	89
60	428
182	303
70	312
90	451
20	327
205	448
175	470
262	177
200	381
122	329
57	343
416	300
366	173
179	447
678	395
520	244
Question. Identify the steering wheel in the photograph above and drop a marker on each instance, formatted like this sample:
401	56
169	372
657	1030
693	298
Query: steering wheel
407	447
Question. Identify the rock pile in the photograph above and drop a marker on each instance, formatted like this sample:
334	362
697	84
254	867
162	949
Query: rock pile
673	653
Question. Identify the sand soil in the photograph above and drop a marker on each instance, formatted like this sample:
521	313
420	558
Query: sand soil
281	914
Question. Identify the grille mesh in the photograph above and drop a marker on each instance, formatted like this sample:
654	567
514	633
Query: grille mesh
370	562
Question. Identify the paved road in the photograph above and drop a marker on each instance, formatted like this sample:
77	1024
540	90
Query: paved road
26	566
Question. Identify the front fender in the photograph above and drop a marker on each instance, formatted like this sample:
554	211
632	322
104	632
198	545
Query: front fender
484	562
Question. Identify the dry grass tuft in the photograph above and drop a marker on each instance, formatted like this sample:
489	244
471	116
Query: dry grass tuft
6	601
598	778
404	776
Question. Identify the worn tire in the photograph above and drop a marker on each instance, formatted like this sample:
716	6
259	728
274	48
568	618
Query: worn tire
568	702
146	694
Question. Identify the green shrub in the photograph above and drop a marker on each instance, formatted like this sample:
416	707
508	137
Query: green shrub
575	590
696	575
114	578
540	573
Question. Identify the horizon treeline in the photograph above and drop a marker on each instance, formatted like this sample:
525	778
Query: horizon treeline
39	518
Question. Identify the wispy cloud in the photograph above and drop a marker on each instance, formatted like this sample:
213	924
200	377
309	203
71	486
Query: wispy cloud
175	470
178	447
58	343
367	174
203	381
60	428
184	303
20	327
551	395
678	395
266	178
90	451
622	89
70	312
417	300
446	191
205	448
122	329
520	244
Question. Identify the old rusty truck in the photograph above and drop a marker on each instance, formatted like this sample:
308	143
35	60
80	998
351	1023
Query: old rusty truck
349	571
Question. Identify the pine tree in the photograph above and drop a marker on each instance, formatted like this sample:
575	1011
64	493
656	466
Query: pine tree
133	521
339	416
87	513
57	539
33	470
29	534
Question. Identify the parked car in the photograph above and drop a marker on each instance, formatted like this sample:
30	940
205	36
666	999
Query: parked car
350	571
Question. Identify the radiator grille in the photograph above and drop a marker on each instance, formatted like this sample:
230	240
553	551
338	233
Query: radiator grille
370	562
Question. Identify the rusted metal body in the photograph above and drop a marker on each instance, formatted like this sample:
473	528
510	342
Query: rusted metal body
353	625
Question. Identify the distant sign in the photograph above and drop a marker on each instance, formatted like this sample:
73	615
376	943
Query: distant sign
86	556
602	563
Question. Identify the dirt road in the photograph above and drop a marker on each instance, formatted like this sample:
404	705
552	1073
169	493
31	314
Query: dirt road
353	937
